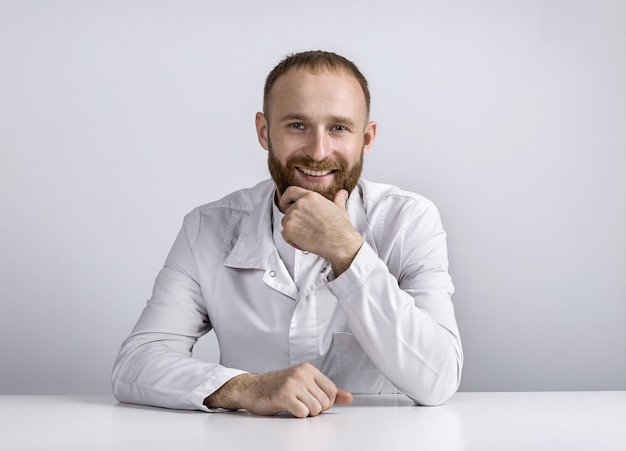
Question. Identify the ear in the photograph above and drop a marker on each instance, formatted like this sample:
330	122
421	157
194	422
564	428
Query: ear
262	130
369	136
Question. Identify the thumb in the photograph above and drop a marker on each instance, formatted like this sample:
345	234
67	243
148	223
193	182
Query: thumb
343	397
340	198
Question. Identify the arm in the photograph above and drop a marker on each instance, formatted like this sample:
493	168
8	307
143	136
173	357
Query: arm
407	328
154	365
398	298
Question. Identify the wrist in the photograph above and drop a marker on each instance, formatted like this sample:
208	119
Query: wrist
230	396
343	255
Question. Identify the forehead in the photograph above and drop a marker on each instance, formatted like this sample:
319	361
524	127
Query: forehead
303	90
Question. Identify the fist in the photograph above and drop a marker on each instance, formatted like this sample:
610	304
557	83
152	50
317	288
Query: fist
315	224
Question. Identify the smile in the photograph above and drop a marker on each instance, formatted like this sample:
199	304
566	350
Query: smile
313	173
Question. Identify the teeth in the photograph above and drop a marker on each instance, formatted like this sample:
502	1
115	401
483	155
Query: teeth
314	173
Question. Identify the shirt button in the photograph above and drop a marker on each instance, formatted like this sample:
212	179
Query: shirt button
305	252
272	273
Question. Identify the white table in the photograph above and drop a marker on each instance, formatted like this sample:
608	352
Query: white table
469	421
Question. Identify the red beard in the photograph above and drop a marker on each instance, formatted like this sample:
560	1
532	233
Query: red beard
285	176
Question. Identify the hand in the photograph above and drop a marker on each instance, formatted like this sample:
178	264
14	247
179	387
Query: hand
301	390
315	224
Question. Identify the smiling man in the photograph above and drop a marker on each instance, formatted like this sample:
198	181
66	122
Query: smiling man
317	283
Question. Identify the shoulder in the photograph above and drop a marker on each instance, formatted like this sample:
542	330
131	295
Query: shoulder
381	195
241	200
232	207
398	221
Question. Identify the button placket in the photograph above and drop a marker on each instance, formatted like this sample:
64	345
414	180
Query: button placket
277	277
303	335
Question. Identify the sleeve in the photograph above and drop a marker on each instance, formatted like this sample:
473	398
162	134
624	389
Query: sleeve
406	323
155	365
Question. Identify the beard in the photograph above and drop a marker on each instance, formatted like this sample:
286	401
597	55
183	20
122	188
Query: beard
345	177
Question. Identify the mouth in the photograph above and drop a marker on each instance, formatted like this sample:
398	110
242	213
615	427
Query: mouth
314	173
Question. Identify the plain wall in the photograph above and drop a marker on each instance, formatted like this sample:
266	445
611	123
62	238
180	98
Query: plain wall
119	117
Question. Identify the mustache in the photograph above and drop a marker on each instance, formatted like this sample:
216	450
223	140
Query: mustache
326	164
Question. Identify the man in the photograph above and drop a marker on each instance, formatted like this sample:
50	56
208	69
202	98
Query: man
317	283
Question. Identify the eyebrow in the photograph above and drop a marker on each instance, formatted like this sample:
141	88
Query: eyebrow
293	117
301	117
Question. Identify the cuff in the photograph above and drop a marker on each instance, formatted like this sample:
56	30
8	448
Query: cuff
356	275
213	383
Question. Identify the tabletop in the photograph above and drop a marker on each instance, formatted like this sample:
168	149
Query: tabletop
468	421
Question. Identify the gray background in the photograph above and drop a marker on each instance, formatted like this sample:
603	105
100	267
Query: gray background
118	117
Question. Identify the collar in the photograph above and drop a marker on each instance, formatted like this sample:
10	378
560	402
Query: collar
255	249
286	252
254	245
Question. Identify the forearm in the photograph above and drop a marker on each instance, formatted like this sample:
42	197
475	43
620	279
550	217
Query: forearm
157	369
419	353
420	357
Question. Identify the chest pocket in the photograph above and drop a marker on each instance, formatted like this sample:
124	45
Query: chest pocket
355	371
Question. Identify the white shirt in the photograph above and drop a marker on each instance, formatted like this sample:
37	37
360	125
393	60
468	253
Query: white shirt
386	324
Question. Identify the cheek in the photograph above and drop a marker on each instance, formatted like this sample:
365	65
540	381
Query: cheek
284	147
352	152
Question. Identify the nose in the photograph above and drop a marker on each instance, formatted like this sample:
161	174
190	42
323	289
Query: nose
319	145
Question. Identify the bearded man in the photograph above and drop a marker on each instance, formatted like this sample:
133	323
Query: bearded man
317	283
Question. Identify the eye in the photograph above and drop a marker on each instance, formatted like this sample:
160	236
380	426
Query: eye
297	125
339	128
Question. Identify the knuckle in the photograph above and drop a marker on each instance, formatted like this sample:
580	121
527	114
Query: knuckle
303	371
288	387
302	412
298	369
315	410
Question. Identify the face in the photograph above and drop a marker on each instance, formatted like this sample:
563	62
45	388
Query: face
316	131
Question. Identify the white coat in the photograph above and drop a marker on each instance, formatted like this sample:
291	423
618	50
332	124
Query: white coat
386	324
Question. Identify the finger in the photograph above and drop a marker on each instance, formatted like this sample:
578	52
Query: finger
327	387
341	198
291	243
298	409
343	397
323	399
291	194
312	403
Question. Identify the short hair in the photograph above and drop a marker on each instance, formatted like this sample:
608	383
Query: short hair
315	61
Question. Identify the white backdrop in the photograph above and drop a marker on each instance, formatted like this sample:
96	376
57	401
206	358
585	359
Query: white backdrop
118	117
